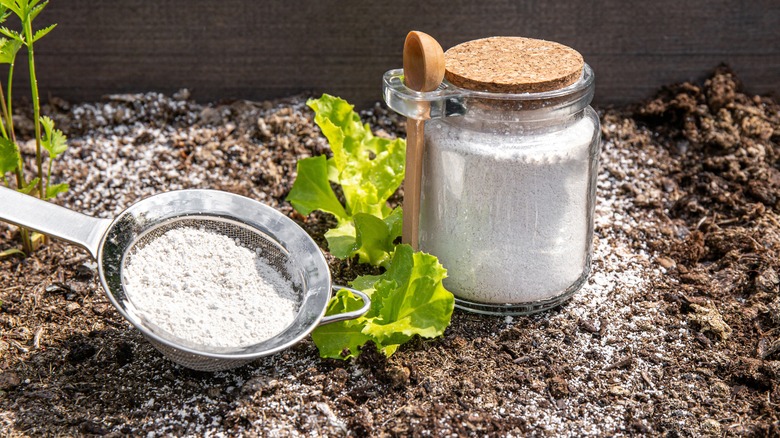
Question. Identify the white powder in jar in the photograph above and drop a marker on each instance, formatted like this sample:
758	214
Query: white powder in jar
208	290
509	214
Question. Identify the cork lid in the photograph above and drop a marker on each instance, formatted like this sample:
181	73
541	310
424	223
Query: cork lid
512	65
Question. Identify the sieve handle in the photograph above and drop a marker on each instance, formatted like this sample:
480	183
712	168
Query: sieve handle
348	315
42	216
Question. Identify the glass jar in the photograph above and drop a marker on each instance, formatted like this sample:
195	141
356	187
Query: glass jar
508	190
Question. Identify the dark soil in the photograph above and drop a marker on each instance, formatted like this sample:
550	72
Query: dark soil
677	332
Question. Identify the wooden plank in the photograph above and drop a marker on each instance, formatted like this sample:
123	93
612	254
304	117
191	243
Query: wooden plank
257	50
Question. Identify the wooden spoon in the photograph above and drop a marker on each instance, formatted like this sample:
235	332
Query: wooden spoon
423	71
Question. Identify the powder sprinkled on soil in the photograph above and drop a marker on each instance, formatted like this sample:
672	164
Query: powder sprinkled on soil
621	358
204	288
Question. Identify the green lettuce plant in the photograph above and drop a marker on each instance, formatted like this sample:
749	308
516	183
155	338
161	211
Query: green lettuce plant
369	170
408	299
47	138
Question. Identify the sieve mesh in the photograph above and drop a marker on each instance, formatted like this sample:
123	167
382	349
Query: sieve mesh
261	244
196	361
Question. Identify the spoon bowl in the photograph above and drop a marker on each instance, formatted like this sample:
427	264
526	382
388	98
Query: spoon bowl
423	62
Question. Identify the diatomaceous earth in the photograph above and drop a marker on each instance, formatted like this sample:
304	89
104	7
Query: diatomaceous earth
508	211
208	290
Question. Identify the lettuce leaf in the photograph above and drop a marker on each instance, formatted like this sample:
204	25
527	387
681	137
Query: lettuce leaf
407	300
375	237
311	190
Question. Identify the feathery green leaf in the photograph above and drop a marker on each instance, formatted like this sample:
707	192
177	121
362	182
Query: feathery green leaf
35	10
31	188
55	189
14	35
9	156
43	32
14	6
8	50
53	140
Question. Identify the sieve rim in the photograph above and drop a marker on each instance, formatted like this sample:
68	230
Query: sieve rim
255	216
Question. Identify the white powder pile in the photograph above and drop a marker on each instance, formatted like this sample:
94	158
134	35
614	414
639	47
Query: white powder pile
203	287
508	213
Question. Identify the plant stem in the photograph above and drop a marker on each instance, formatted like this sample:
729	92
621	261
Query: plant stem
9	114
20	183
48	178
5	119
28	36
27	244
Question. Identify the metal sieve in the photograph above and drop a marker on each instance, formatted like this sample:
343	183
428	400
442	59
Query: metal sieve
273	236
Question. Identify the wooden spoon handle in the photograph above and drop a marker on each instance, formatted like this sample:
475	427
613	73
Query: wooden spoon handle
423	71
415	147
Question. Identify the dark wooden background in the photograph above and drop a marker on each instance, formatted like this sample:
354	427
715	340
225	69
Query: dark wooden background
263	49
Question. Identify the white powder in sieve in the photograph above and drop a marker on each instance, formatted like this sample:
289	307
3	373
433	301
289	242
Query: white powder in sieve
205	288
508	213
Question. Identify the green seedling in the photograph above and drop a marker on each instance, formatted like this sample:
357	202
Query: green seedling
47	138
